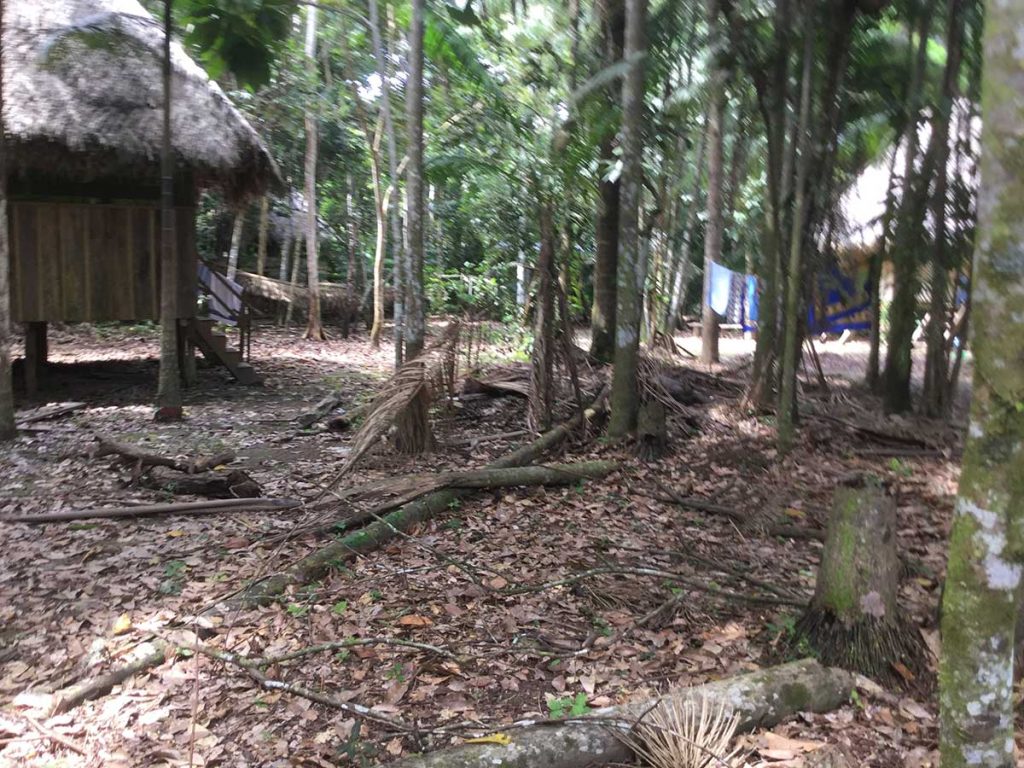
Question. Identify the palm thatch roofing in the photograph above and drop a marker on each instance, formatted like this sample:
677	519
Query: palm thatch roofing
83	101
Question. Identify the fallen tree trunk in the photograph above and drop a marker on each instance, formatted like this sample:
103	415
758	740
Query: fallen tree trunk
69	698
320	410
222	484
315	565
146	510
134	454
761	699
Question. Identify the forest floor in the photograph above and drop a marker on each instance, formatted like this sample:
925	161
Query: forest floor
77	599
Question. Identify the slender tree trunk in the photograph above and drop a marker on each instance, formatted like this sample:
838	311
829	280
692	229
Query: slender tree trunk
236	243
314	328
261	249
7	428
713	227
899	350
542	391
602	316
936	368
794	283
293	284
397	250
681	270
380	200
352	271
986	549
168	398
630	281
415	331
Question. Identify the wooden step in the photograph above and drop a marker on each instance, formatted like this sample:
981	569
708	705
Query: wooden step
246	374
216	348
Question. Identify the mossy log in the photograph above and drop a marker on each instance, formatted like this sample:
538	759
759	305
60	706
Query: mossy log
761	699
315	565
854	620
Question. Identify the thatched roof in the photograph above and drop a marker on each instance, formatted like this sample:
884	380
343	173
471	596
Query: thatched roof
83	98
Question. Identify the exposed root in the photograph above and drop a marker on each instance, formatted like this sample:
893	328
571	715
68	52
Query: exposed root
888	650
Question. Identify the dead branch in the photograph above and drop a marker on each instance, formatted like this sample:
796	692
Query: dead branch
133	454
183	508
72	697
233	484
349	643
44	412
52	735
357	710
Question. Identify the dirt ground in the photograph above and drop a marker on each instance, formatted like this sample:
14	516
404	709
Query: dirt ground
79	599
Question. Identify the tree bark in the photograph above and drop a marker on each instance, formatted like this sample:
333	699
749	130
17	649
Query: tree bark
602	316
314	328
261	248
898	357
854	620
761	699
794	284
630	275
716	147
986	548
681	268
7	428
415	331
397	249
542	356
236	243
168	398
353	272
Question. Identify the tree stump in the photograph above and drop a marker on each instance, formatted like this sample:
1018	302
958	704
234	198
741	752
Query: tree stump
652	430
854	620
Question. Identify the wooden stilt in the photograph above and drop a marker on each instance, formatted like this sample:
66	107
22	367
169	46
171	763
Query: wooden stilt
36	352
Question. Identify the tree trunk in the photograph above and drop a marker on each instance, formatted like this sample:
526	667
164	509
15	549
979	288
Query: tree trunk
986	549
854	620
936	369
286	251
898	357
261	248
353	273
168	398
794	283
681	265
760	699
713	228
415	331
602	316
236	243
7	428
542	356
314	328
630	278
397	254
294	282
380	200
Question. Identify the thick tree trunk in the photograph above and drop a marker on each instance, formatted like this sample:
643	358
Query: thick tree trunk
7	428
415	305
854	620
898	357
397	249
168	398
760	699
542	356
236	243
794	283
261	248
631	276
314	328
602	316
716	160
986	549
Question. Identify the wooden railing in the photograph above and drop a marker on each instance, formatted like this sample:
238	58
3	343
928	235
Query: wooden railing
241	318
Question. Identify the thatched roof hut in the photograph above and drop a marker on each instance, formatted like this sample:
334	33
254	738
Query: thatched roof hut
83	99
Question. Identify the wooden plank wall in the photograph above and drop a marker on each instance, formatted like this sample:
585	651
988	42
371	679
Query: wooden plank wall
95	262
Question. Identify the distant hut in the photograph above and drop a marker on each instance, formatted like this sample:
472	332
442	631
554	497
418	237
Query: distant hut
83	110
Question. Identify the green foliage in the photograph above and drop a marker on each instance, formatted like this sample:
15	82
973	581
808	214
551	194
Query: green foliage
566	706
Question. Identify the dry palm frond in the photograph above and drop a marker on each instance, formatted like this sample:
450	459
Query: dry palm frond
686	733
649	373
419	379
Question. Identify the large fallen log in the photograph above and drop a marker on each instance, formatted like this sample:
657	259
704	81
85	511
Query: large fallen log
761	699
314	566
215	484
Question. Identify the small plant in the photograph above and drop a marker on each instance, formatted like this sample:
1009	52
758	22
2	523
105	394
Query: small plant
900	468
297	609
396	672
565	706
174	578
339	608
376	595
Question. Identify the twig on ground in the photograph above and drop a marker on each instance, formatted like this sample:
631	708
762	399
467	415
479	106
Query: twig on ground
52	735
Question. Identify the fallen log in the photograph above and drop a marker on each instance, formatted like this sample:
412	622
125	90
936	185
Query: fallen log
133	454
50	411
761	699
230	484
502	388
315	565
69	698
327	404
182	508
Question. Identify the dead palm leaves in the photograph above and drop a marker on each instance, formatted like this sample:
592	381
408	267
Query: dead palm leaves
686	733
